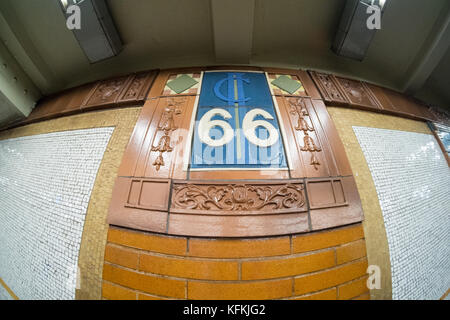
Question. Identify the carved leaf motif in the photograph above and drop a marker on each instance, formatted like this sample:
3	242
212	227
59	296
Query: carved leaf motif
108	89
238	197
330	86
298	108
167	125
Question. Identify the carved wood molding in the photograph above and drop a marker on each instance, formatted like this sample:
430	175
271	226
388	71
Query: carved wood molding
167	126
358	93
297	107
126	89
329	88
340	91
238	198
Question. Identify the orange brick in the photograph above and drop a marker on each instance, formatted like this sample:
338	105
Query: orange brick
185	268
142	296
365	296
121	256
353	289
351	251
146	283
113	292
277	268
329	294
242	290
330	278
326	239
150	242
239	248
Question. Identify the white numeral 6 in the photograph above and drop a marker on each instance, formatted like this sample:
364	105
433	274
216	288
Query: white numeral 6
205	124
249	125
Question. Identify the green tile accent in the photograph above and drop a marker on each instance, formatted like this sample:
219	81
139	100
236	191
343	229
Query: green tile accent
182	83
287	84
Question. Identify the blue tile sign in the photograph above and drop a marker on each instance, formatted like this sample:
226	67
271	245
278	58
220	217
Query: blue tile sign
236	126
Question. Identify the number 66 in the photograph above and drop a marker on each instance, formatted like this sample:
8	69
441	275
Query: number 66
249	126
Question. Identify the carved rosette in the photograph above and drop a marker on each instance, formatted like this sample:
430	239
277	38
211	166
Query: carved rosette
108	90
167	126
354	89
238	197
297	107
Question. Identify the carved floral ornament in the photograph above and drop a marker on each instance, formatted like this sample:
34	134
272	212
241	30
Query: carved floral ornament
232	197
298	108
167	126
108	89
330	86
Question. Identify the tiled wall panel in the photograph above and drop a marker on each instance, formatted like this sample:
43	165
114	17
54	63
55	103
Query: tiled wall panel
45	185
413	182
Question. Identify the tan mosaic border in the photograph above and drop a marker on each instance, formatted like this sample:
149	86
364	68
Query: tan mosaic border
95	230
374	230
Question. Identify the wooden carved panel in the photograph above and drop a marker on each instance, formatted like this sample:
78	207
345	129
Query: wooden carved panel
313	147
107	91
155	192
126	89
329	88
358	93
164	142
138	87
238	208
237	198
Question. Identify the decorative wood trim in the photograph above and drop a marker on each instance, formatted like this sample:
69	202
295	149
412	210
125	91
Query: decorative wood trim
298	108
238	198
329	88
341	91
141	189
357	93
335	197
107	91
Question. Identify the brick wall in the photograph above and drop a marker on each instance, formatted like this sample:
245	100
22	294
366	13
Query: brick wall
329	264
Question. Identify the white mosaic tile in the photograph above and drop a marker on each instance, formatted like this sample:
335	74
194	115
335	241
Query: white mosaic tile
45	185
412	180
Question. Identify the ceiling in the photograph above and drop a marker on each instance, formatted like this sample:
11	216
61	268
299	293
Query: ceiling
409	54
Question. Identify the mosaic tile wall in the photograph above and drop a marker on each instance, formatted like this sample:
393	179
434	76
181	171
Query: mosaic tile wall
45	182
412	180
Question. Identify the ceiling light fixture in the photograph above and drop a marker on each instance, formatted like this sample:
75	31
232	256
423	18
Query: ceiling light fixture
97	34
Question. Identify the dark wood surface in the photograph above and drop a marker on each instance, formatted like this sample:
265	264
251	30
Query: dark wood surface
154	192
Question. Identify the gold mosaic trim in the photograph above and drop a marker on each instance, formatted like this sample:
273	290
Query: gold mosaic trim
11	293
